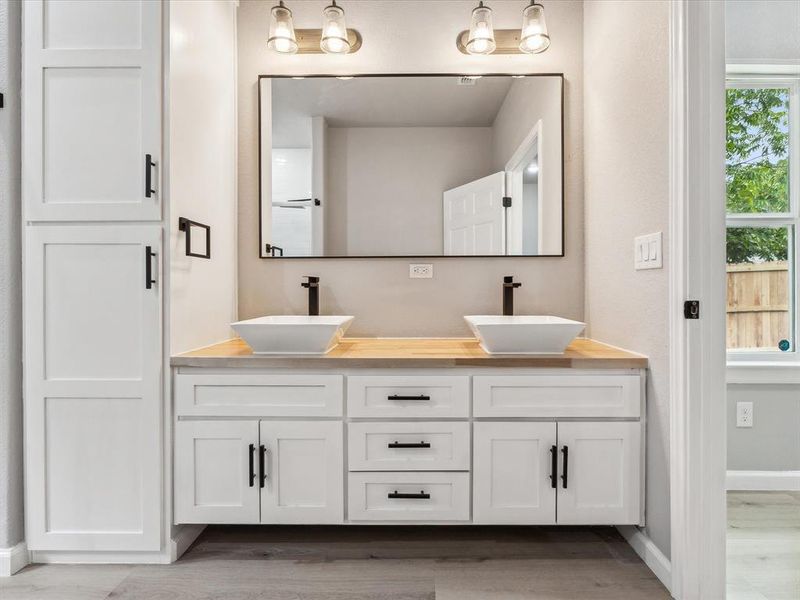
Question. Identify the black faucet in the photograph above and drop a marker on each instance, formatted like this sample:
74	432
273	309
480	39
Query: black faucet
508	295
313	294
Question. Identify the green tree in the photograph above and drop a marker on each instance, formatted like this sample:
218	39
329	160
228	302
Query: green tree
757	170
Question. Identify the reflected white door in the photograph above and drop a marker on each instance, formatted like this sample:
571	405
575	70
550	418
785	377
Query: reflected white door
474	217
602	485
512	473
304	463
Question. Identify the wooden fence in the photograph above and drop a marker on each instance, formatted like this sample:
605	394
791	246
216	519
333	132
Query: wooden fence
758	311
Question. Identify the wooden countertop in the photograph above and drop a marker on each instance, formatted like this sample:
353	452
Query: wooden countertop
413	352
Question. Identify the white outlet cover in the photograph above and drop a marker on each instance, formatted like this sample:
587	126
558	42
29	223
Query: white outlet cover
744	414
420	271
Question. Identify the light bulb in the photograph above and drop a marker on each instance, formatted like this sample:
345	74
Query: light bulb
481	32
534	37
281	30
334	32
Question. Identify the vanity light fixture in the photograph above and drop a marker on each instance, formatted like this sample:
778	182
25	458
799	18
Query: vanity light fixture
281	30
482	38
533	37
481	32
334	33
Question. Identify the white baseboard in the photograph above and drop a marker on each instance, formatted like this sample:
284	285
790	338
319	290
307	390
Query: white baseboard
763	481
13	559
185	536
57	557
653	557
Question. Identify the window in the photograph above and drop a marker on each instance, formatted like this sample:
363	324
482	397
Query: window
763	217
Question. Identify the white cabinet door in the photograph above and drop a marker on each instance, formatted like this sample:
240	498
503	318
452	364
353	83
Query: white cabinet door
93	388
599	477
304	472
216	472
92	115
513	473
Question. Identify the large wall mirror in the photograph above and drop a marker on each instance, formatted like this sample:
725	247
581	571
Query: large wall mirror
411	165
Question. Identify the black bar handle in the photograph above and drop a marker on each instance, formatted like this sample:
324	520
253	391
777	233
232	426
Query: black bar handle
252	470
148	267
554	467
565	452
262	455
397	397
148	175
404	445
421	496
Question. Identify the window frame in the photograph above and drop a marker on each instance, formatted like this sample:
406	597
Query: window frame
790	219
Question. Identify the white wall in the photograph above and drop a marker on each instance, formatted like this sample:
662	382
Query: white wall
202	169
766	32
626	117
365	288
528	102
11	521
762	32
419	162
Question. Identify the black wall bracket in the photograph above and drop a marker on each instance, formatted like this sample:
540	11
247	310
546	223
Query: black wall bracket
186	225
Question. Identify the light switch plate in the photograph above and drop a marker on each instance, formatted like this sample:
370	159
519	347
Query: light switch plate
420	271
647	252
744	414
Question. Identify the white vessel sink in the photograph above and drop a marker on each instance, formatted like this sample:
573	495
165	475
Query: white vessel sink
291	334
524	334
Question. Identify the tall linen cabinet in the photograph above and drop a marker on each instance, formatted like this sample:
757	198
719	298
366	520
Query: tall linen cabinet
93	291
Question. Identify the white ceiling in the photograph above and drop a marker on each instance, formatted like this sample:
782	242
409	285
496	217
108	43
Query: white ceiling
382	102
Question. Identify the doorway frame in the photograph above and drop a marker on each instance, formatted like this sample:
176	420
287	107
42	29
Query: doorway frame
697	252
513	169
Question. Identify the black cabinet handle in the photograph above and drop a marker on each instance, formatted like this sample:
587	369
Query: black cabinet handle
565	452
553	467
262	469
396	397
421	496
252	459
148	175
404	445
148	267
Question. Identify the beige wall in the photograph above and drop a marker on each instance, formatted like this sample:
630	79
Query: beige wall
384	185
378	292
626	116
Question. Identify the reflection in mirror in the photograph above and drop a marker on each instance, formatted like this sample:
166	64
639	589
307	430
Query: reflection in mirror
411	166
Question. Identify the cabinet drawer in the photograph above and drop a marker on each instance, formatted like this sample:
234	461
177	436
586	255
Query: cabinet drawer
585	396
408	396
409	496
438	446
259	395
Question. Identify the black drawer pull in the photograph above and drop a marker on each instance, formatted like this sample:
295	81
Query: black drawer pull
262	455
148	175
148	267
405	445
421	496
553	467
251	465
565	451
420	397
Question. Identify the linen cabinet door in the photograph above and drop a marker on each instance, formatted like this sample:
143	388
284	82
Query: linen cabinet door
93	110
93	350
303	472
600	477
216	472
513	473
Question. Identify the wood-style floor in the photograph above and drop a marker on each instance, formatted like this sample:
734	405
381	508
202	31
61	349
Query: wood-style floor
763	545
360	563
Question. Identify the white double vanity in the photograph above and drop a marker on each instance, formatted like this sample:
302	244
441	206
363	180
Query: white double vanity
409	431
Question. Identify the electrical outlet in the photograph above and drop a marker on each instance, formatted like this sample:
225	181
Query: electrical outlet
420	271
647	252
744	414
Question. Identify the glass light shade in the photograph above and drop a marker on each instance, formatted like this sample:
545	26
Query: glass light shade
281	31
534	38
481	32
334	32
